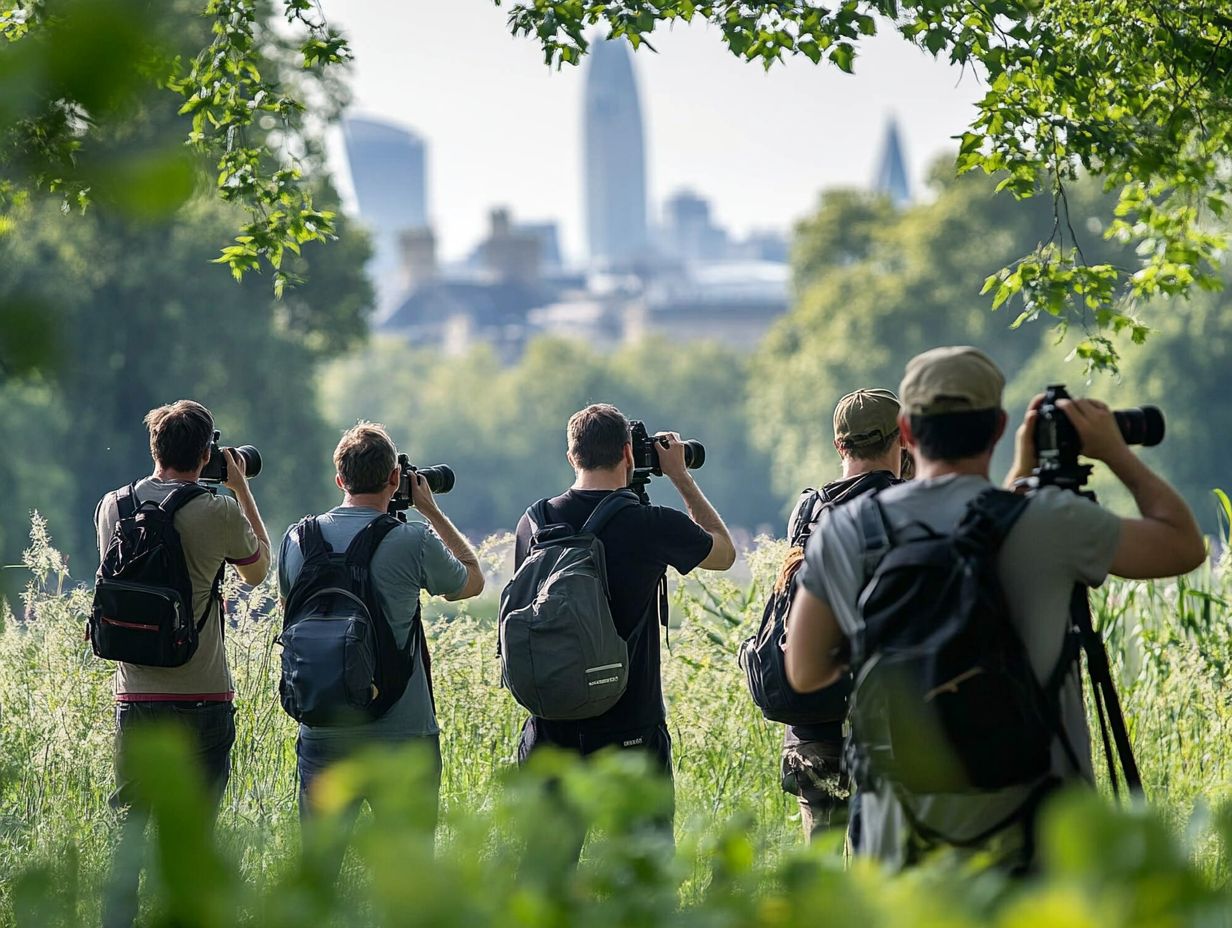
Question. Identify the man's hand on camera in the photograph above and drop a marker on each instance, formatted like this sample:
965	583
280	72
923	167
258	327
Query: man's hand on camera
671	456
421	496
1097	429
237	472
1026	457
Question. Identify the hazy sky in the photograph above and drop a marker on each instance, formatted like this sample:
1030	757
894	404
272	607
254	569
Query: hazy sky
503	129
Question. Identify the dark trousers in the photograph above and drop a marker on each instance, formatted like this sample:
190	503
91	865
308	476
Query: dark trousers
313	757
654	740
211	730
814	772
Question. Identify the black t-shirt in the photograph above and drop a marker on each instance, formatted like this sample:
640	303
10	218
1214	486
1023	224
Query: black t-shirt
640	543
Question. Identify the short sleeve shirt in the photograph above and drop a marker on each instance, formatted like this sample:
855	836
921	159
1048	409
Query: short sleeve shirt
410	559
1060	539
640	543
213	531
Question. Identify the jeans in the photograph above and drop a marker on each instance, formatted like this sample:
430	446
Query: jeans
211	730
314	756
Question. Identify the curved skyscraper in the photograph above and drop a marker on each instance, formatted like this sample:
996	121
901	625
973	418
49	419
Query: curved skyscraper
388	172
614	157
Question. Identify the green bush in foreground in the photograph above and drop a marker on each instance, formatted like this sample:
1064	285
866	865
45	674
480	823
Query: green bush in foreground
499	856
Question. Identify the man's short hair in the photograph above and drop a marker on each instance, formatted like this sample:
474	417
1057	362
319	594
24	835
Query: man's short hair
952	436
180	434
365	456
597	437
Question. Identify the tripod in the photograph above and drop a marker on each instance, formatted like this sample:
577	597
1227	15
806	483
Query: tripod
1073	476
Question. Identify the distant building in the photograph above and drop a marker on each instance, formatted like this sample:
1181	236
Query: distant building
731	302
891	174
689	234
614	157
389	173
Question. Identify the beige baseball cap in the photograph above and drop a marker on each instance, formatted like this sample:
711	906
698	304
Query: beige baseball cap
954	379
865	417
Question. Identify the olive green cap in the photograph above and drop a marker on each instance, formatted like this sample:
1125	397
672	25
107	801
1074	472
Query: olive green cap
954	379
865	417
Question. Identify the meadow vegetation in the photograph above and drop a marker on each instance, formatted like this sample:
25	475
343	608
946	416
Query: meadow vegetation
497	858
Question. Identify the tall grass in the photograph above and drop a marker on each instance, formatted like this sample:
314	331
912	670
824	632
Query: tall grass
1170	644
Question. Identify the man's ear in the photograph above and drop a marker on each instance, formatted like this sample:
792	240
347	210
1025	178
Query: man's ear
1002	420
628	453
338	481
569	458
395	477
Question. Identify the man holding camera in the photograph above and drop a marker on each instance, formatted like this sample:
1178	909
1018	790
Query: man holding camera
197	695
640	543
951	420
867	439
413	557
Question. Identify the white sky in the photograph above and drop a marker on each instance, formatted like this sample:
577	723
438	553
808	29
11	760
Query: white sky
503	129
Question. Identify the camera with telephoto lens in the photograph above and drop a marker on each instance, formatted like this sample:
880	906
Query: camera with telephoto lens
215	470
646	455
438	477
1058	444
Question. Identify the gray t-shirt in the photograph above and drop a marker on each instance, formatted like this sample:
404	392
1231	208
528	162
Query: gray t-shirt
1059	540
411	558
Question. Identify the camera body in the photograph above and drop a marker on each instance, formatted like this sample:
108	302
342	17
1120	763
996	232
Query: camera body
1058	444
646	455
439	477
215	470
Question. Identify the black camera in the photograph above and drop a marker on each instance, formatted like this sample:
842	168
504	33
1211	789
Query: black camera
215	470
1058	444
439	478
646	455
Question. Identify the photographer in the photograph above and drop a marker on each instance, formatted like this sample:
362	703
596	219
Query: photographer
867	440
640	543
411	558
951	420
196	695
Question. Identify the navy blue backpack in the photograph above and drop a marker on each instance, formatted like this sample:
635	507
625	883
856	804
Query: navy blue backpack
341	664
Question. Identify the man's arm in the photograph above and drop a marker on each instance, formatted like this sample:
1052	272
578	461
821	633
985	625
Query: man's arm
813	642
1166	540
252	572
671	461
458	546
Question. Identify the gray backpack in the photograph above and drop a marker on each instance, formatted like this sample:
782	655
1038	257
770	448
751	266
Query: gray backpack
561	656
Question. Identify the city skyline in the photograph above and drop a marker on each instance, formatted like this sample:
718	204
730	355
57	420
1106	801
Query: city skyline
502	129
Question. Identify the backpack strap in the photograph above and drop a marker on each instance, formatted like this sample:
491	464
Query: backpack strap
359	554
990	516
172	503
126	501
875	532
538	517
177	498
806	514
611	504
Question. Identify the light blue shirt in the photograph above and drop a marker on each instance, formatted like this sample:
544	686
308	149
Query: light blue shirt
411	558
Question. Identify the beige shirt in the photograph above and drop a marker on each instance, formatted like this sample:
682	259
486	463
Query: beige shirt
212	531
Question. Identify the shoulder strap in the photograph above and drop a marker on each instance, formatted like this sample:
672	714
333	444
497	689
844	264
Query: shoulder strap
875	532
990	516
808	508
312	542
611	504
363	546
538	516
126	501
179	496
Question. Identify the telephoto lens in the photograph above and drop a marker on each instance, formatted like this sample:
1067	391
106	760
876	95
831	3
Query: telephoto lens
252	459
694	453
1141	425
439	477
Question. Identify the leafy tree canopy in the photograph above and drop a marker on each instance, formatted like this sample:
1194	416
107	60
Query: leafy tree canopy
1134	91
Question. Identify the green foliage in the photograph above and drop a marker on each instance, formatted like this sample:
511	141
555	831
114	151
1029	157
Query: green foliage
501	855
80	74
507	441
1070	89
135	324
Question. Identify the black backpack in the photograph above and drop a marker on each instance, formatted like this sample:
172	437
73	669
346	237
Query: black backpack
945	699
143	595
761	656
341	664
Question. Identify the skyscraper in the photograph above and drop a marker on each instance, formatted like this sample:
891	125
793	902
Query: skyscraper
891	176
614	157
388	172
